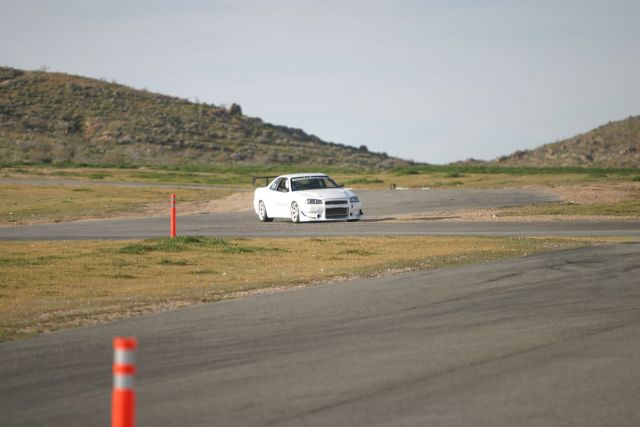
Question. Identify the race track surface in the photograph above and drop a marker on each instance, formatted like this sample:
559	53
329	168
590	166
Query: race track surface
550	339
377	204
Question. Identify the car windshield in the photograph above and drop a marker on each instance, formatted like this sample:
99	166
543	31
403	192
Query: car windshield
312	183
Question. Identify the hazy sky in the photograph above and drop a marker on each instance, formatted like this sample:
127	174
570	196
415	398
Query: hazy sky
432	81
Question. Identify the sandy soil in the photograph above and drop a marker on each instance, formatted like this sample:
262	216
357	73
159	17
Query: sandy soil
235	202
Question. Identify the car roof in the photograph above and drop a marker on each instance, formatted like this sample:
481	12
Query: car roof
301	175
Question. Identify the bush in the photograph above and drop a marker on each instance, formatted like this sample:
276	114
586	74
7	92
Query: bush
235	110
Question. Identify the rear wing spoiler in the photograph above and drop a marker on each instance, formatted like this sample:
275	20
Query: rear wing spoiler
266	179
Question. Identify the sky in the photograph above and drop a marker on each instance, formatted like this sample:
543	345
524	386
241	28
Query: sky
429	81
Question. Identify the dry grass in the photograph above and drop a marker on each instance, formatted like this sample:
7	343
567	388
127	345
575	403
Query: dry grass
610	200
357	179
29	204
51	285
138	175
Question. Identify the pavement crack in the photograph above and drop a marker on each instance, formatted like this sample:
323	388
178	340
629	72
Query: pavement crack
392	387
503	277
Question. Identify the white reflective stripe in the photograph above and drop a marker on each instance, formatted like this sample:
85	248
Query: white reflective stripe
124	357
123	381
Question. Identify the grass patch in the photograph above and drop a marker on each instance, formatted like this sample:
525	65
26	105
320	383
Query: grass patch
205	271
178	174
56	203
358	252
364	180
56	284
123	276
598	173
189	243
478	176
184	243
98	175
23	261
135	249
169	261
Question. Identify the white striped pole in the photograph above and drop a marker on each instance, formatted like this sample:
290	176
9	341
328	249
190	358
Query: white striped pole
123	402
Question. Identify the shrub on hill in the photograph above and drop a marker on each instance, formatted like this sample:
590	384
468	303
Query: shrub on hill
57	118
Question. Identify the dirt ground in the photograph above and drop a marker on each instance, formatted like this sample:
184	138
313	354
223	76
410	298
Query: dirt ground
577	194
593	193
236	202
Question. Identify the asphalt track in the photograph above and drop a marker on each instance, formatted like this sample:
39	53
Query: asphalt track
379	207
550	339
545	340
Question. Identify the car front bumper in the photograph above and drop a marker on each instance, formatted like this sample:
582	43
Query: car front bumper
343	212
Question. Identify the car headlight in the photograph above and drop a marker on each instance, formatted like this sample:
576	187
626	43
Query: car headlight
354	199
314	202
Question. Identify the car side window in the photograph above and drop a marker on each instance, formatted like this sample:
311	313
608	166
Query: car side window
275	184
284	185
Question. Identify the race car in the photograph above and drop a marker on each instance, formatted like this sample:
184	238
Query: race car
305	197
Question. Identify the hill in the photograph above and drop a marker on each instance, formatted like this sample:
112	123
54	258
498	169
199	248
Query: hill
56	118
616	145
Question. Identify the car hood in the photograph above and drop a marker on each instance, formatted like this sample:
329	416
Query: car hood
324	194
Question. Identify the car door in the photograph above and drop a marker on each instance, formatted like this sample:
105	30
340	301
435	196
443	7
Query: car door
281	199
271	197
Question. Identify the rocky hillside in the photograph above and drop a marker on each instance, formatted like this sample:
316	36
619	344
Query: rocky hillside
616	144
54	117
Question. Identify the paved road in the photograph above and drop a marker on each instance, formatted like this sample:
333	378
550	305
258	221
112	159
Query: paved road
245	225
378	204
545	340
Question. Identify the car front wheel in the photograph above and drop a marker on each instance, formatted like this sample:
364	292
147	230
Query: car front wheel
262	213
295	212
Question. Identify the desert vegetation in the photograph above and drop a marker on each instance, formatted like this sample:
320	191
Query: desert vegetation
616	144
55	118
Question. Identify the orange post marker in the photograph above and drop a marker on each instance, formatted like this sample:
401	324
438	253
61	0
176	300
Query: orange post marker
123	401
173	216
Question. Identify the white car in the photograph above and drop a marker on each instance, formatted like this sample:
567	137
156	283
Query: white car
306	197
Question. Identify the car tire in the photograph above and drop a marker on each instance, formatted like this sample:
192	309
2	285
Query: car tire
295	212
262	213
